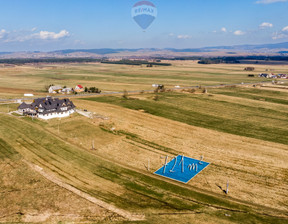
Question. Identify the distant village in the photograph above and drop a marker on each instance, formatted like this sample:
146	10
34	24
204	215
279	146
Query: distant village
49	107
67	90
266	75
273	76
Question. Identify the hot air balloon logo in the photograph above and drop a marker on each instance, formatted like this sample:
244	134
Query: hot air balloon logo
144	13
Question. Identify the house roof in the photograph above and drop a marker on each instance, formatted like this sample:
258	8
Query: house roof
67	89
49	105
55	87
81	87
23	106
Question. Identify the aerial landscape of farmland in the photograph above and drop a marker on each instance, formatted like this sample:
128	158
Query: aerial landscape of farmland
107	158
144	112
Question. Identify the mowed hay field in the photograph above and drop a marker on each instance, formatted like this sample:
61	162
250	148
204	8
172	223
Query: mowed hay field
116	181
240	131
27	197
15	81
246	143
114	171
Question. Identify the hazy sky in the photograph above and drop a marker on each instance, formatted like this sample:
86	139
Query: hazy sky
44	25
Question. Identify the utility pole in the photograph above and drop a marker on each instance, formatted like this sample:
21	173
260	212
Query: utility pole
93	145
227	186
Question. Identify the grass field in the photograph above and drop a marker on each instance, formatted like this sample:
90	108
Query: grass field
5	108
117	183
240	131
214	112
16	81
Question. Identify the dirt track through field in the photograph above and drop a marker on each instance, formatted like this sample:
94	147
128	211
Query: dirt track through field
123	213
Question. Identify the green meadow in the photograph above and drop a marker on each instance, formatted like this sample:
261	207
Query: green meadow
263	116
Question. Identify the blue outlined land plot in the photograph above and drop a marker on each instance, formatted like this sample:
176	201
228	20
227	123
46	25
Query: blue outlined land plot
182	168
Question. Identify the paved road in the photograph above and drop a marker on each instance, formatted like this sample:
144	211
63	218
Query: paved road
135	91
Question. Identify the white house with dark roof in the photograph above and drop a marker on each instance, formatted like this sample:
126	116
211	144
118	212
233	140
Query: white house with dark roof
47	108
55	89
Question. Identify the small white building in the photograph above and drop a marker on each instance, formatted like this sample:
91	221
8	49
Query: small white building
67	90
28	94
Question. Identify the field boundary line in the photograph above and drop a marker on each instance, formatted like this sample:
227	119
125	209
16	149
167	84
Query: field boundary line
112	208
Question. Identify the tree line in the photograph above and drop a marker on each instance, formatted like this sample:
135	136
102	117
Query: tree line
19	61
135	62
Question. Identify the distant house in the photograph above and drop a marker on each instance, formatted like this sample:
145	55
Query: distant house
47	108
67	90
79	89
264	75
55	89
282	76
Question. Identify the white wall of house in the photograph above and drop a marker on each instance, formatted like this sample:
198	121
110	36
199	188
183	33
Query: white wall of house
56	115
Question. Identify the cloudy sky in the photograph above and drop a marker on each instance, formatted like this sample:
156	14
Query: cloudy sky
46	25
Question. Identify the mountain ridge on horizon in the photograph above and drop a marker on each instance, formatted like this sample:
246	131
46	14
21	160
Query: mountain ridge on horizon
200	49
278	48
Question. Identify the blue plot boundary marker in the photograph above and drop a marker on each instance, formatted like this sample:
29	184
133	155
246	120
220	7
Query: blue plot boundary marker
182	168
